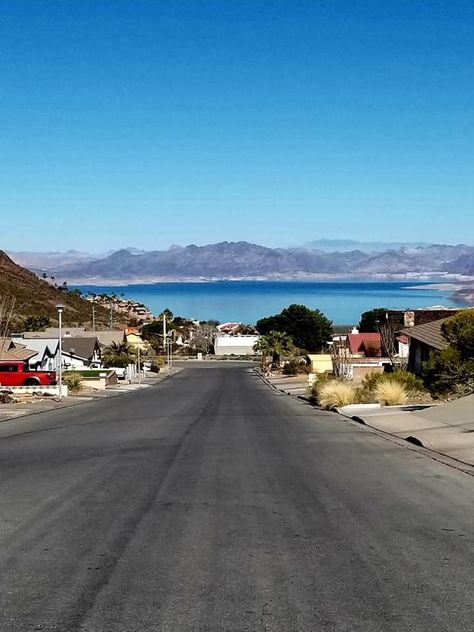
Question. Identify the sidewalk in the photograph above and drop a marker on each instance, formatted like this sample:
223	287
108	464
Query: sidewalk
296	385
444	428
44	404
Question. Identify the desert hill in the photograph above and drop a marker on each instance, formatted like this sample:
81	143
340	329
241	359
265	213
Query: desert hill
34	296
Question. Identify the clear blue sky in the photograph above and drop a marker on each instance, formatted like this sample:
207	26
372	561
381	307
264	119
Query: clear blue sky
149	123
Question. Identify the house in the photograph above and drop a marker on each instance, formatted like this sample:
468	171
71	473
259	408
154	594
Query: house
105	338
135	340
423	340
365	345
399	319
80	352
46	357
225	344
403	343
358	355
11	351
228	328
53	332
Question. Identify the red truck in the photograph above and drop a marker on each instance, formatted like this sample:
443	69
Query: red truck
17	373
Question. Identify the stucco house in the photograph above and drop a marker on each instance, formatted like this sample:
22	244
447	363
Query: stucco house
423	340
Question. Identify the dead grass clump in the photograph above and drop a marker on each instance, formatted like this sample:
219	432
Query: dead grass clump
390	393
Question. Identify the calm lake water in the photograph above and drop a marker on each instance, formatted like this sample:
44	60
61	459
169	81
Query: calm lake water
247	301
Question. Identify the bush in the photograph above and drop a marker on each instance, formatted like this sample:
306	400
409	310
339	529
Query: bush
74	382
334	394
447	372
390	393
291	368
412	385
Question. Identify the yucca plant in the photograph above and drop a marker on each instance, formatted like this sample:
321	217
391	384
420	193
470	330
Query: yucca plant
73	381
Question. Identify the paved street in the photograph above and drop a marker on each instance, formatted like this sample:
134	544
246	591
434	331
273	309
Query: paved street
213	503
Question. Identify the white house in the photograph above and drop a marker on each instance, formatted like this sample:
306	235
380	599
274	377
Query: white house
225	344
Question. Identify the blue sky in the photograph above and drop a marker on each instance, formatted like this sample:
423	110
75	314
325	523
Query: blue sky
150	123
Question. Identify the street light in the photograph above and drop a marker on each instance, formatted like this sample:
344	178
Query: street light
60	309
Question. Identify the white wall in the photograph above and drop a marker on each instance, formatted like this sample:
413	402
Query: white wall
236	345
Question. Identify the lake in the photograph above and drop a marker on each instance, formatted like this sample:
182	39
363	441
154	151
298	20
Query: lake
247	301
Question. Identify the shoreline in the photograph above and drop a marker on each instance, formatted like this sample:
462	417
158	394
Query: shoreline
421	283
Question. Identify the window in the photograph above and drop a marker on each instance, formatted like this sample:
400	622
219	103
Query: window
8	368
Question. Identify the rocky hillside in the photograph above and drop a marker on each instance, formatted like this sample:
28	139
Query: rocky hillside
34	296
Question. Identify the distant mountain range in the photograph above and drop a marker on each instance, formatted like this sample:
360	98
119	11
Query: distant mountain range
243	260
346	245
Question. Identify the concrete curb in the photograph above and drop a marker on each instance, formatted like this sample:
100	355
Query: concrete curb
409	443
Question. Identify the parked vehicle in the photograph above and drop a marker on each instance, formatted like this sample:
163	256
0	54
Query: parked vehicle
17	373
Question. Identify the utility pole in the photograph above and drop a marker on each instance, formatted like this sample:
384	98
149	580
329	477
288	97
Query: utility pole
60	350
139	368
164	331
93	317
111	320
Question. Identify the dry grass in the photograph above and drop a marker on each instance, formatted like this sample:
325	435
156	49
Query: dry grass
390	393
335	394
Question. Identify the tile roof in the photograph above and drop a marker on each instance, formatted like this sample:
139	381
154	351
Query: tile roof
429	334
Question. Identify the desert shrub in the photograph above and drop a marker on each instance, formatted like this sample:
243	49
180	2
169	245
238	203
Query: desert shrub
73	381
334	394
411	384
6	397
291	367
390	393
447	372
315	387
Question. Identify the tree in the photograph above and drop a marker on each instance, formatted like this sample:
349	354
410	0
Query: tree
452	369
246	330
275	344
459	331
309	329
371	320
118	354
168	313
36	323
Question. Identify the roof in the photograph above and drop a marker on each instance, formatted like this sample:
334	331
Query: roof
10	351
40	345
360	343
403	339
17	355
429	334
53	332
80	347
228	327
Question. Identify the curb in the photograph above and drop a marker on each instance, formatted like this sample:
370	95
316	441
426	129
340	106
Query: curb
85	400
409	443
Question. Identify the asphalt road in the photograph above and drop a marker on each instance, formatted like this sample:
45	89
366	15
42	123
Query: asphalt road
212	503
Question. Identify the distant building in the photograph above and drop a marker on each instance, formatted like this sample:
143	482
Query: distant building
225	344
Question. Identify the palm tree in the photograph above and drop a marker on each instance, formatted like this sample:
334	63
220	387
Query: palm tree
276	344
118	354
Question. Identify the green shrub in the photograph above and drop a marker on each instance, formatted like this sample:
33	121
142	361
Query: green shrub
447	372
73	381
291	368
